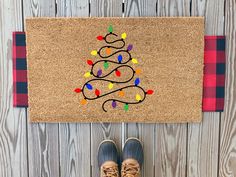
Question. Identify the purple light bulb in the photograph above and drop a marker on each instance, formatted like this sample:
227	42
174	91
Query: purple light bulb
99	73
130	46
114	104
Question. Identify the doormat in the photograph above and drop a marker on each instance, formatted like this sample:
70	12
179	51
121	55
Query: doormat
115	69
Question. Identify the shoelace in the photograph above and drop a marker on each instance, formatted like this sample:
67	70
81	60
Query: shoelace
109	171
130	170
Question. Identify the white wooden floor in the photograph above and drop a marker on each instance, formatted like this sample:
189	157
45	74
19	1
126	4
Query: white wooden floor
69	150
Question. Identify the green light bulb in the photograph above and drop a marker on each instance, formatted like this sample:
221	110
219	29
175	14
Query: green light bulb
106	65
126	107
110	29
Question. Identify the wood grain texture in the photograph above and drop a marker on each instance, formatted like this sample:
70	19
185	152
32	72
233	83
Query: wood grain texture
43	142
170	150
144	132
74	150
180	150
140	8
72	8
227	161
74	138
173	8
171	139
13	137
106	8
99	132
203	138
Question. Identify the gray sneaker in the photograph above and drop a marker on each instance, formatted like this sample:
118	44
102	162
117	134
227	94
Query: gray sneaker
108	159
132	156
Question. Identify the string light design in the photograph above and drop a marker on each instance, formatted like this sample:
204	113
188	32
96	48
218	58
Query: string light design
122	63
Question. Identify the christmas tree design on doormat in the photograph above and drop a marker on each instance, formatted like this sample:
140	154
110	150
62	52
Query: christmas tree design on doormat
113	54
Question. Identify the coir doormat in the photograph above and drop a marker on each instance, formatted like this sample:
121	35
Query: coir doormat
115	69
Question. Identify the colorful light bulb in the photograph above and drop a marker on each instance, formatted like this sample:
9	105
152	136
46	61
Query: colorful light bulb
123	35
78	90
87	74
138	71
100	38
89	62
119	58
94	52
108	51
99	73
106	65
134	60
130	46
118	73
121	93
114	104
110	29
89	86
126	107
97	92
110	85
137	81
83	101
138	97
149	92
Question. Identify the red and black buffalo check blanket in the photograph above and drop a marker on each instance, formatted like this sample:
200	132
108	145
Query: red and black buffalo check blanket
213	81
214	74
20	91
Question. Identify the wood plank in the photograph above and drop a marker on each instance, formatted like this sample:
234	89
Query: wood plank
170	150
171	139
99	132
144	132
203	139
74	150
72	8
13	134
104	8
227	151
74	138
43	150
139	8
173	8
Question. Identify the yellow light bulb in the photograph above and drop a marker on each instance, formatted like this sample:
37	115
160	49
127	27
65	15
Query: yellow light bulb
138	97
94	52
134	60
87	74
83	101
110	85
123	35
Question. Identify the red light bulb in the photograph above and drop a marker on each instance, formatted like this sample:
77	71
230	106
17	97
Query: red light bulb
99	38
90	62
118	73
97	92
149	92
77	90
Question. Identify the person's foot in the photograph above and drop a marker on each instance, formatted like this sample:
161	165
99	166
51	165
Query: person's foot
108	159
132	156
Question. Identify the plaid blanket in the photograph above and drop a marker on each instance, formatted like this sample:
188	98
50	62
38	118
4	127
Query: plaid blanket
20	91
214	74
